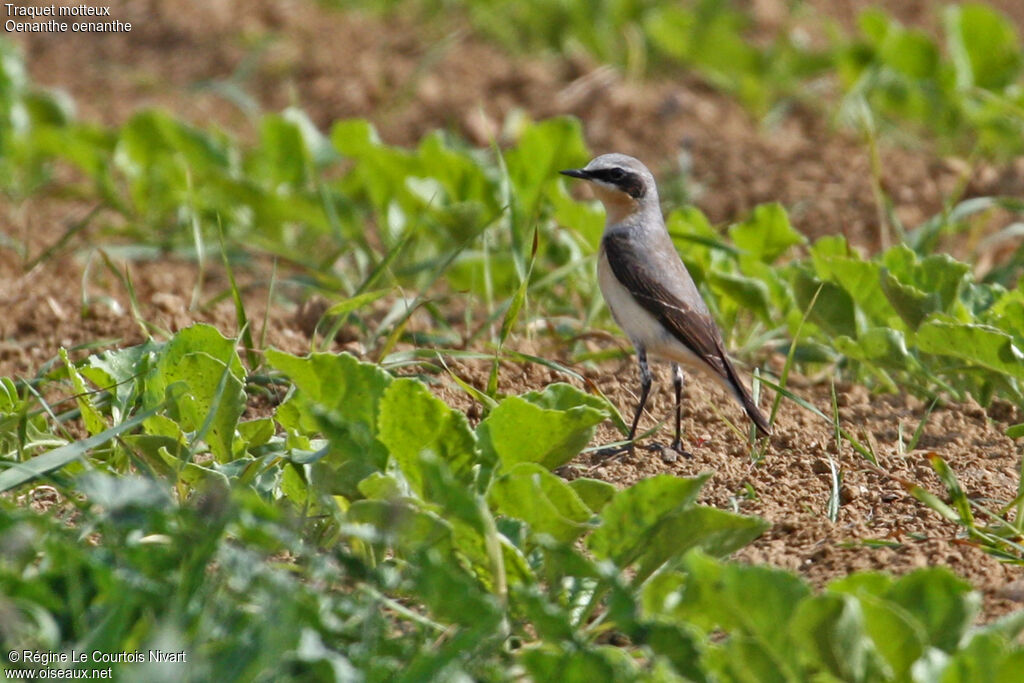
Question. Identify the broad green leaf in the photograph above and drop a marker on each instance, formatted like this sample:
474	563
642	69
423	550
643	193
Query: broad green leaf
203	360
549	427
944	604
255	433
766	234
829	629
549	663
282	153
748	659
678	644
897	636
862	281
586	219
414	424
979	344
120	371
742	599
716	532
912	305
542	150
529	492
833	308
437	579
882	345
978	660
938	276
552	621
911	52
630	518
339	395
985	46
408	528
206	339
211	405
92	418
1010	667
593	492
749	293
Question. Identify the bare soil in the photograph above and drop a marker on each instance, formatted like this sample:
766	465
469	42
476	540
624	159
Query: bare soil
408	81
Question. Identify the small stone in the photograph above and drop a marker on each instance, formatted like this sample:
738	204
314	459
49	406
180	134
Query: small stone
848	494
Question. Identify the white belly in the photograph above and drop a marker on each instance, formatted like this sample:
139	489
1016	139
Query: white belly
643	329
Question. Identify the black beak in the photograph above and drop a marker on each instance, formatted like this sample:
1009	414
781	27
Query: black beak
577	173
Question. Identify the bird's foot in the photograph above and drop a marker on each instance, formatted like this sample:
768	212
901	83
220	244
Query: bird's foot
670	453
612	453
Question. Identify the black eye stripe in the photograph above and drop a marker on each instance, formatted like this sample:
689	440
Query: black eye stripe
627	181
610	175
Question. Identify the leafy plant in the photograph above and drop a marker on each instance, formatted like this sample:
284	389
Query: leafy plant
300	544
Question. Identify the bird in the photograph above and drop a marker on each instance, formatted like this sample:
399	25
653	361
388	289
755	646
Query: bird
649	291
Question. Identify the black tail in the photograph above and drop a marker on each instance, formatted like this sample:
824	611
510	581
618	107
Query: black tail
755	414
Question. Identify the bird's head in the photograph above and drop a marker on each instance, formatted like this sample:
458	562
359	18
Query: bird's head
622	183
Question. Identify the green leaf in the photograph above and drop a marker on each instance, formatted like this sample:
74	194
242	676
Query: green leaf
896	634
742	599
94	422
766	234
630	518
979	344
437	579
340	383
415	425
118	371
281	154
1010	667
912	53
529	492
549	427
882	345
18	473
833	309
356	302
409	528
750	293
830	630
557	664
941	602
716	532
593	492
911	303
985	47
205	362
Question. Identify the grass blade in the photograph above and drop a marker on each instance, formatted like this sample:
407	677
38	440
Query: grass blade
23	472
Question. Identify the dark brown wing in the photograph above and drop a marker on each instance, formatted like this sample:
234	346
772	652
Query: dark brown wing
658	281
682	312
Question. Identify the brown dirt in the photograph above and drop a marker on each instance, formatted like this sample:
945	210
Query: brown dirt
410	80
345	64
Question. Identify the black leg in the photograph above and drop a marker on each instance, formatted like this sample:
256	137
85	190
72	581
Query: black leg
645	389
677	382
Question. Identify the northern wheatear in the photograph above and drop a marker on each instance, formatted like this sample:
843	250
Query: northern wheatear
649	291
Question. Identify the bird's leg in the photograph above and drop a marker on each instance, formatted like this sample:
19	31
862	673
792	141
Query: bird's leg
671	453
677	382
645	388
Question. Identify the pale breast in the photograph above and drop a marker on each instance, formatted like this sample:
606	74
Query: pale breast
642	328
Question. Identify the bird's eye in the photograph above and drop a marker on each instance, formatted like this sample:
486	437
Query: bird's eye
616	174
